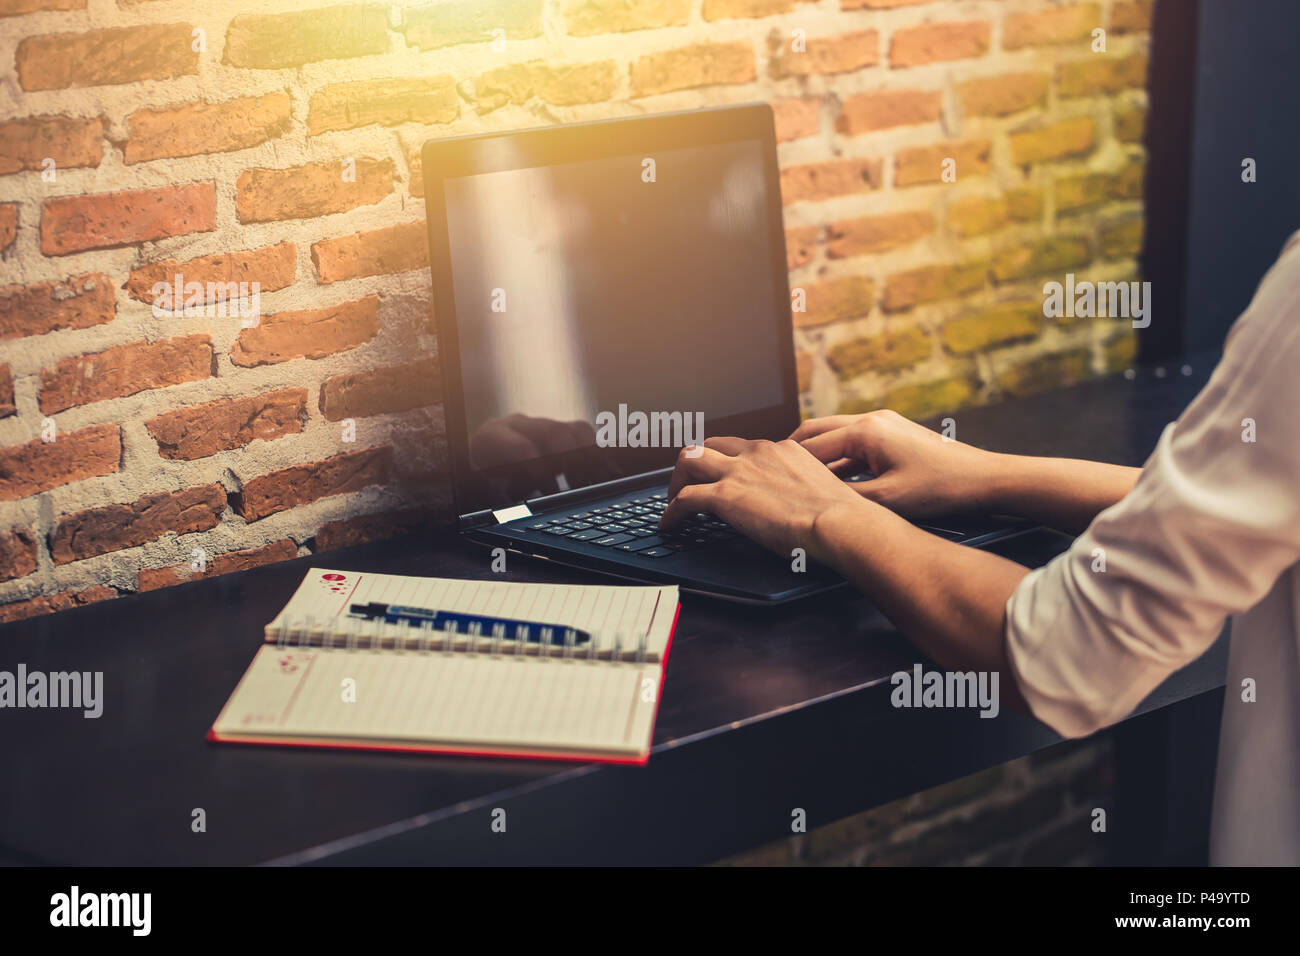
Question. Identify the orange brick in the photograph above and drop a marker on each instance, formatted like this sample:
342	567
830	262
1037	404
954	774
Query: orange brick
874	234
904	290
17	553
76	303
37	465
376	391
393	249
558	85
925	164
976	216
150	579
383	103
304	192
76	223
1003	95
867	112
746	9
432	26
312	333
8	224
1130	16
106	57
823	56
69	141
587	17
202	430
7	403
12	8
278	40
49	603
303	484
117	526
271	267
192	129
124	370
835	299
888	352
796	119
703	64
800	245
938	42
1050	27
838	177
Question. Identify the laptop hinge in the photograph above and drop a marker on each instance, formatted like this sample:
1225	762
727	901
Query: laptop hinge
475	519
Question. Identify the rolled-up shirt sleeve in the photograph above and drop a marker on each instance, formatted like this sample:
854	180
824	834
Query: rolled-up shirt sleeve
1211	524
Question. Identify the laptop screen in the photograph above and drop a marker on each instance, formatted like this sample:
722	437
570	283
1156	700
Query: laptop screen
610	310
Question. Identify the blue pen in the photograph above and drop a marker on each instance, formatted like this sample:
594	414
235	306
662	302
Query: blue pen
532	631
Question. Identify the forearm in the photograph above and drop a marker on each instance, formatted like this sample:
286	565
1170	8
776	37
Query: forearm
948	599
1064	493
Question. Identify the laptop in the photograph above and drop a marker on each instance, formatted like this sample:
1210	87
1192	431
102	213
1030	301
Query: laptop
606	294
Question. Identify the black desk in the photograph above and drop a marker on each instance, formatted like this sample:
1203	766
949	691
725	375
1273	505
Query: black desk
763	711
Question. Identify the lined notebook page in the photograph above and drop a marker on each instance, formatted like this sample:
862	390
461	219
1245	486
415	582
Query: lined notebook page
449	700
615	615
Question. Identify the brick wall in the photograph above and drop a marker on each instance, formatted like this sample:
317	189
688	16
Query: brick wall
142	138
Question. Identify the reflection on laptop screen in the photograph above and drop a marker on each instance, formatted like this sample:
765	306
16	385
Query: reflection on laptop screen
588	286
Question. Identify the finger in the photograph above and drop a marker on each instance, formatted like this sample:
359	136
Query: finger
833	445
707	466
815	426
726	444
689	500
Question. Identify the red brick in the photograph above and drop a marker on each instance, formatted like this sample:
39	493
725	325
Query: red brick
1003	95
559	85
228	423
76	303
376	391
703	64
150	579
924	164
8	224
399	248
938	42
867	112
837	177
1050	27
17	553
587	17
823	56
124	370
192	129
75	223
124	525
347	532
311	333
278	40
7	405
37	466
304	192
106	57
32	607
874	234
800	245
69	141
432	26
271	267
383	103
303	484
796	119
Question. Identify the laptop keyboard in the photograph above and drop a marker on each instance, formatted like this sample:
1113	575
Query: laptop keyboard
633	526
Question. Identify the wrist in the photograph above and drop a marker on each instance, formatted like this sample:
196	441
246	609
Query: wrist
835	529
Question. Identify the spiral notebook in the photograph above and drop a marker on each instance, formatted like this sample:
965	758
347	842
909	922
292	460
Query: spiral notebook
585	689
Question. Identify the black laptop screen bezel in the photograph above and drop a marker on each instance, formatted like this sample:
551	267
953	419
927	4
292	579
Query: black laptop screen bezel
493	152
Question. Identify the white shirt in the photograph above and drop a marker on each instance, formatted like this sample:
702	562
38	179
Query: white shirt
1211	529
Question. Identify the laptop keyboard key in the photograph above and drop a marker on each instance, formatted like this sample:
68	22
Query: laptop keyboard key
660	552
612	539
587	535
